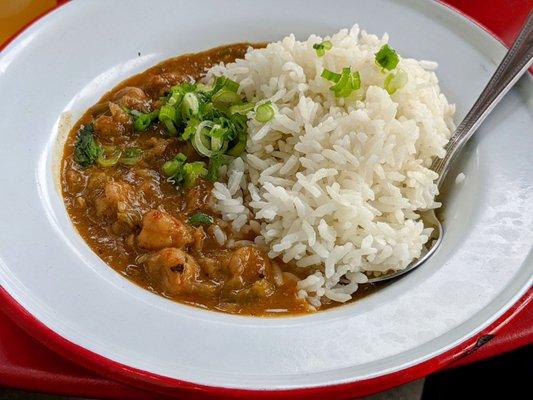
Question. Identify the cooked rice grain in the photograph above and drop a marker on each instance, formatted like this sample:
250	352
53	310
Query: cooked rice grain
336	184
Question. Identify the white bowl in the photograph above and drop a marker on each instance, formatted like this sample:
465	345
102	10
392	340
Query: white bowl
67	296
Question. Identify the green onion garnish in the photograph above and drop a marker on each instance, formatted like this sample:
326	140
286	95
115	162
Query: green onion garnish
181	172
193	171
213	119
189	105
200	218
240	146
218	136
264	112
176	94
210	138
203	88
172	167
387	58
242	109
167	115
86	149
231	85
223	82
190	128
225	98
109	156
200	139
330	75
346	82
142	121
395	81
131	156
321	48
215	162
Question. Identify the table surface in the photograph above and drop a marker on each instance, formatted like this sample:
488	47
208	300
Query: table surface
27	364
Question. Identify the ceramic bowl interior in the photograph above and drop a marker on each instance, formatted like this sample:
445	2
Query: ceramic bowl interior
66	61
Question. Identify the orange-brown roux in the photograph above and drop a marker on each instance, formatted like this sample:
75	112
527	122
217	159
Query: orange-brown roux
136	221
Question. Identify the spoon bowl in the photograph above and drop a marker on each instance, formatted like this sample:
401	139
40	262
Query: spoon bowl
430	220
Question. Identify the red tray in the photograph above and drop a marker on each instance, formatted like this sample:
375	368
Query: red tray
27	364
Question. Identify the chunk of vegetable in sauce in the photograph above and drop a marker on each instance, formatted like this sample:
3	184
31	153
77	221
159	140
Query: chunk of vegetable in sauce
109	156
200	218
131	156
86	149
141	121
181	172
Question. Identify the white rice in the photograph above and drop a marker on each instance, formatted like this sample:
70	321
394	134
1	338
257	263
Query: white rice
219	235
336	185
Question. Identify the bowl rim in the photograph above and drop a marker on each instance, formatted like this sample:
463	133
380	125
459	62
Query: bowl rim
170	386
176	387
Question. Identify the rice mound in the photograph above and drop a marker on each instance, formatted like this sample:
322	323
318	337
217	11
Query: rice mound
334	184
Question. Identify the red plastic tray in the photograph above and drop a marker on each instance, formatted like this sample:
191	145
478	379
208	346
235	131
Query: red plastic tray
27	364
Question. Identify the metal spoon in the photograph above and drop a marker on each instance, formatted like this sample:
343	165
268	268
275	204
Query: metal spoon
515	63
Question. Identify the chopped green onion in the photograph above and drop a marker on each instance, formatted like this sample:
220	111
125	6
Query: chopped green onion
213	119
240	146
176	95
193	171
109	156
242	109
178	92
131	156
395	81
225	98
189	105
347	83
172	167
343	85
330	76
86	149
356	80
218	135
142	121
180	171
231	85
167	115
218	84
203	88
223	82
215	162
200	140
190	128
386	57
264	112
200	218
321	48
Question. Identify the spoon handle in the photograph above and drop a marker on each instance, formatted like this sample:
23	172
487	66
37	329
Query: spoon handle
514	64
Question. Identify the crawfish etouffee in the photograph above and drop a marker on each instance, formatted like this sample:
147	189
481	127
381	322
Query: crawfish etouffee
137	177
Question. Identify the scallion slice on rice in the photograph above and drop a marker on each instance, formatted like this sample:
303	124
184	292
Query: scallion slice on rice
395	81
264	112
387	57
